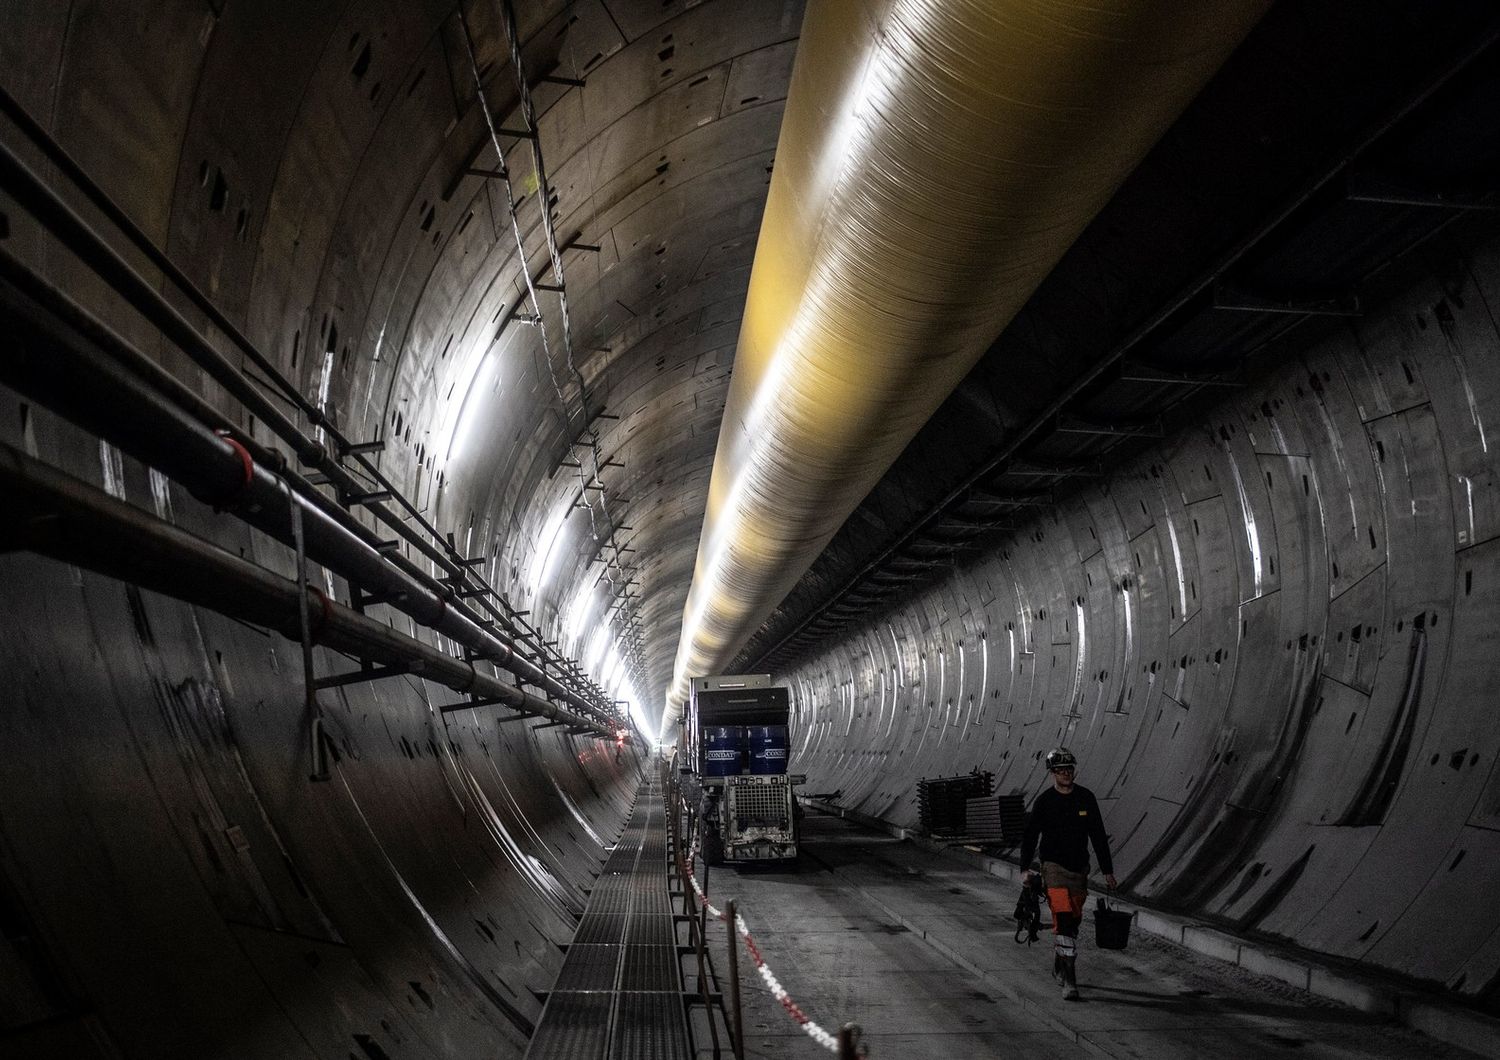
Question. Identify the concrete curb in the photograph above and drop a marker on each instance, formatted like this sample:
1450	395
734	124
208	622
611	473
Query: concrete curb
1427	1014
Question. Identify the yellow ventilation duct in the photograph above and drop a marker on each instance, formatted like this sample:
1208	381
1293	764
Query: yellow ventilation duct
936	159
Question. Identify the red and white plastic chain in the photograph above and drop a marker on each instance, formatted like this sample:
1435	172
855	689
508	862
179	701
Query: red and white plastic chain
815	1032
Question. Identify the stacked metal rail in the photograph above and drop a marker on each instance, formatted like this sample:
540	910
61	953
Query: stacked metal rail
943	802
998	820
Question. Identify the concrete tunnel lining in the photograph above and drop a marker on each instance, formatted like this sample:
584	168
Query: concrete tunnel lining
170	883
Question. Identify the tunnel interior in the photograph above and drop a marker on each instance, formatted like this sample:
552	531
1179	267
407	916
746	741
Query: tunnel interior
1214	507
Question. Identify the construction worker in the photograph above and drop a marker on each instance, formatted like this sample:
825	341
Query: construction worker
1066	818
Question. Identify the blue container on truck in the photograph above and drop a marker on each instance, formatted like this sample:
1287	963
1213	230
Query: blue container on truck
722	749
767	744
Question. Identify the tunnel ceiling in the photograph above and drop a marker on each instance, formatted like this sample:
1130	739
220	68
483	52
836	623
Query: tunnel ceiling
1295	194
662	160
343	202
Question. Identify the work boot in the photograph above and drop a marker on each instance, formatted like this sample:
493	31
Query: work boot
1069	979
1057	967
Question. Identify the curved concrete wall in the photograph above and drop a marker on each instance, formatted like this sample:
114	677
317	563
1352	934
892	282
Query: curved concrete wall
175	886
171	884
1272	642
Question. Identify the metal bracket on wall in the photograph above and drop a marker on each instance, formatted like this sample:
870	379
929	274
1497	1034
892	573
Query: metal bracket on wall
1136	372
372	673
318	751
1024	500
477	701
1078	425
1389	191
365	600
1236	299
1028	469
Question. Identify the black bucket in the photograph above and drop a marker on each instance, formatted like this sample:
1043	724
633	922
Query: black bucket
1111	927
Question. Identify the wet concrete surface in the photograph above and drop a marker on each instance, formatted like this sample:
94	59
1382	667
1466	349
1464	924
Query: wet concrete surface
918	950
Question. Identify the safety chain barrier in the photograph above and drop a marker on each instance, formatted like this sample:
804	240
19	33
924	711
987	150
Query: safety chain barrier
808	1024
845	1042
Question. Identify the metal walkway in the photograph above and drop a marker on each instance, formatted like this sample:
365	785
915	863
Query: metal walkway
619	993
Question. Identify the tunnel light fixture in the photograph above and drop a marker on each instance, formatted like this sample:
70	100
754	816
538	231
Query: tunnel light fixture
597	645
1081	656
1182	608
942	693
578	614
544	559
617	682
325	383
962	680
612	664
984	673
633	702
460	425
1247	512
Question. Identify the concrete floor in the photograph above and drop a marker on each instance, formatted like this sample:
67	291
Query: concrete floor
872	930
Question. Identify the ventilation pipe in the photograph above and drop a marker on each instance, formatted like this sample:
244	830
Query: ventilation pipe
936	159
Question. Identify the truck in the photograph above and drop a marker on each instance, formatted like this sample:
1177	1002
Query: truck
734	747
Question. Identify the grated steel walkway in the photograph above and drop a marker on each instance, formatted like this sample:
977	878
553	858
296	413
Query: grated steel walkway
619	993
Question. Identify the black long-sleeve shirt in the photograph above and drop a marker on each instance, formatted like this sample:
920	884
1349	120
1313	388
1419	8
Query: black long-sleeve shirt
1066	825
